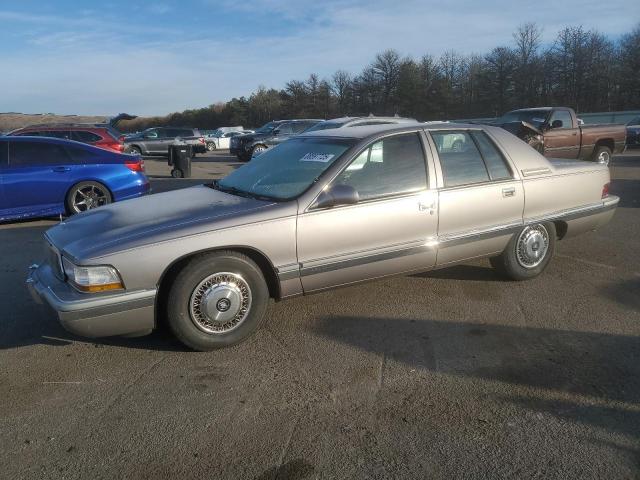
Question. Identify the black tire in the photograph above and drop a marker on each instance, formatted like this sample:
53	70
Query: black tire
257	148
602	155
211	146
512	264
93	194
183	300
177	173
133	150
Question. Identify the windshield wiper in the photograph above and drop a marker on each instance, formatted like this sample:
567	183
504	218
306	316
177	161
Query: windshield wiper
240	193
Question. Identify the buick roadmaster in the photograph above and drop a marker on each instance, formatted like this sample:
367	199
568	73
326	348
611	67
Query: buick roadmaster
321	210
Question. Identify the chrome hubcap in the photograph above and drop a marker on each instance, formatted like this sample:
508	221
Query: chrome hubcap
220	303
88	197
604	158
532	246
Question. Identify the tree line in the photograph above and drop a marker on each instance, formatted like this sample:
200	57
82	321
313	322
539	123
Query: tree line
582	69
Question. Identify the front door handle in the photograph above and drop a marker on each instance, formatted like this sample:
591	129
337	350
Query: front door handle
61	169
509	192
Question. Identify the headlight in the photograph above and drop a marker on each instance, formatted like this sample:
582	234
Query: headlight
92	278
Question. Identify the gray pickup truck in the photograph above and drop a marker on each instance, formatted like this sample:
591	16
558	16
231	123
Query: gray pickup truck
156	141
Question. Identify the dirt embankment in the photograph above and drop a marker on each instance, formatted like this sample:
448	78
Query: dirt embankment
11	121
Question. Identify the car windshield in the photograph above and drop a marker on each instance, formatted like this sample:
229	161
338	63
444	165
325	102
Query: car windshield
285	171
534	117
267	127
635	121
325	126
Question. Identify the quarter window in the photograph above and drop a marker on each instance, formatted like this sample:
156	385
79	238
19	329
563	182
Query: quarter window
392	166
496	164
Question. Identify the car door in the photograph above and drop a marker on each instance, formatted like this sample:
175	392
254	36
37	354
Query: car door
281	133
561	138
481	197
153	140
37	177
390	230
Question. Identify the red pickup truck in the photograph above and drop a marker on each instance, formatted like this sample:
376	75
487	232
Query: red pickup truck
557	132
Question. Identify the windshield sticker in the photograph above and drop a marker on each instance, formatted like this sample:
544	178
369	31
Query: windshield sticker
317	157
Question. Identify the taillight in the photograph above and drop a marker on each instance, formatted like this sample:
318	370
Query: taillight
605	190
135	165
201	139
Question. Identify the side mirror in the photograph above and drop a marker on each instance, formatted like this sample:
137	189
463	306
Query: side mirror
337	195
556	124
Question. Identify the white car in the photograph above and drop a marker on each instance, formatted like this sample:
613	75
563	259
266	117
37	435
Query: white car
220	140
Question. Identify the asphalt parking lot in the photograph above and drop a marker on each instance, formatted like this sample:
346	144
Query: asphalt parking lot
448	374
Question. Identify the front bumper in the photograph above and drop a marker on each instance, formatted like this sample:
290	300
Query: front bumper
93	315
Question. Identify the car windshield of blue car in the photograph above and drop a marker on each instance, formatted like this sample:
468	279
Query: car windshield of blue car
266	128
287	170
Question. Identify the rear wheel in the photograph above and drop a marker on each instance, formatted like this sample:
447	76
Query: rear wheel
211	146
602	155
87	195
217	300
528	253
133	150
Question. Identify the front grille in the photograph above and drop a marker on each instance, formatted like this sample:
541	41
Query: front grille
55	261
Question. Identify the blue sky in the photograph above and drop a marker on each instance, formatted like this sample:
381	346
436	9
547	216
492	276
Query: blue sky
151	58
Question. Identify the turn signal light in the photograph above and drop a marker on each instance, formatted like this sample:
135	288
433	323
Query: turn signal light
605	190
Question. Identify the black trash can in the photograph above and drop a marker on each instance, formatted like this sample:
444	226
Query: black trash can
180	160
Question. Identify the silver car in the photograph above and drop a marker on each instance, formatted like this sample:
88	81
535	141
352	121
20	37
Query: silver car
321	210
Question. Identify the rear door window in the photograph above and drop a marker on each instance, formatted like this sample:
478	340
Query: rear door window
85	137
27	154
460	159
64	134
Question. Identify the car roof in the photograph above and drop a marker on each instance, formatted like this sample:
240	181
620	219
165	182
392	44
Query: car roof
370	118
362	132
62	126
58	141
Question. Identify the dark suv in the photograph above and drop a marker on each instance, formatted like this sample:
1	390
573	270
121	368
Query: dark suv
270	134
156	141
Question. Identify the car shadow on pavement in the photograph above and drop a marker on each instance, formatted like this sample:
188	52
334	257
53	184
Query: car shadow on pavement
590	377
464	272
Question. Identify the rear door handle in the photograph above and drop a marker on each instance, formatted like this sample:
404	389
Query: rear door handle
61	169
423	207
509	192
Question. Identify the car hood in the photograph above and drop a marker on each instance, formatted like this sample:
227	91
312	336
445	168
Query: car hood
153	218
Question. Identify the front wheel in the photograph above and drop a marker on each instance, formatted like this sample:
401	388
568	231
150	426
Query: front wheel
602	155
528	252
257	150
211	146
86	196
217	300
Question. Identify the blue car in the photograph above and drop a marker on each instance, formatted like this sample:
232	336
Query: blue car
41	177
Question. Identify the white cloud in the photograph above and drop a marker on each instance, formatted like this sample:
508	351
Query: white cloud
100	66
